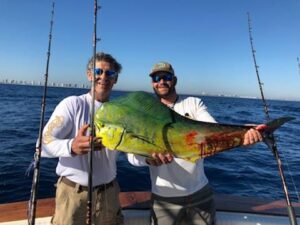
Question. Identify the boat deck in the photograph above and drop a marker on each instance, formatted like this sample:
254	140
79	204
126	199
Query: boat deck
231	210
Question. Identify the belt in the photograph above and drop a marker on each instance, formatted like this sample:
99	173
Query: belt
100	187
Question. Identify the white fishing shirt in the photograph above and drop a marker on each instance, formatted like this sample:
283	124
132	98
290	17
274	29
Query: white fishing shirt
68	117
180	177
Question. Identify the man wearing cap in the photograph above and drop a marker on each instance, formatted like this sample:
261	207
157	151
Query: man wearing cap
180	190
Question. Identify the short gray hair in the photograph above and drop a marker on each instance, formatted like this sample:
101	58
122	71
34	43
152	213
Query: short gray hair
101	56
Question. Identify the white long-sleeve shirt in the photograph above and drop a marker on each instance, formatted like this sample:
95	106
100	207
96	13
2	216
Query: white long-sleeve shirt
180	177
68	117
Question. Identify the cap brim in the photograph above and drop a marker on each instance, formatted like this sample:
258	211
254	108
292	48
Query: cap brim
154	72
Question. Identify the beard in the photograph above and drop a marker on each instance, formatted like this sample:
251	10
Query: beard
171	90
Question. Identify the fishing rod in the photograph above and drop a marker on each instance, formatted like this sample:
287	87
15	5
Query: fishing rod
37	156
270	138
89	216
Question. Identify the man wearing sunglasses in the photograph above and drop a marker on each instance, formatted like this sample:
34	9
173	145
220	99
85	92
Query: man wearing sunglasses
65	136
180	190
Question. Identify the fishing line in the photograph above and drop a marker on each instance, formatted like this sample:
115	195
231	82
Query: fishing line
31	211
270	139
292	179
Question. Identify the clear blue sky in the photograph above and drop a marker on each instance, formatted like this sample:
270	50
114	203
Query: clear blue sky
206	41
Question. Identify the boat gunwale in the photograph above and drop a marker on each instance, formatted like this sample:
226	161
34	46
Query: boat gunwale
141	201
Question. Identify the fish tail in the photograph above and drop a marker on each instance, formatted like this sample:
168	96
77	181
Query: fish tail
274	124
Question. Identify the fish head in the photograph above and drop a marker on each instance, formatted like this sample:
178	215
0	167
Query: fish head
107	125
110	134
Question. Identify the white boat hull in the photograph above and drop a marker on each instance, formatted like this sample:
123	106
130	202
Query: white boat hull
138	217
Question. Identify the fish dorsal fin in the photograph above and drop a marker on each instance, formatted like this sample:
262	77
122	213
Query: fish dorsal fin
144	103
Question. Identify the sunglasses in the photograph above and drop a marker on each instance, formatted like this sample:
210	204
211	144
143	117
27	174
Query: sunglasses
109	73
165	77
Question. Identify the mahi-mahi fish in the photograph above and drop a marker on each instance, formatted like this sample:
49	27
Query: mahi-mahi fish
139	123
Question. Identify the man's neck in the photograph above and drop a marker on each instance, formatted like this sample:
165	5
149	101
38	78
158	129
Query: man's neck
170	99
101	97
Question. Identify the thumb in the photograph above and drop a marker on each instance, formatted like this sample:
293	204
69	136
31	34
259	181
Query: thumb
83	130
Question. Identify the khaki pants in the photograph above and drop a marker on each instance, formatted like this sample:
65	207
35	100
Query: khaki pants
198	208
71	206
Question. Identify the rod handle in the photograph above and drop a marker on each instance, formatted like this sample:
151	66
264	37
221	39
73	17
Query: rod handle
292	215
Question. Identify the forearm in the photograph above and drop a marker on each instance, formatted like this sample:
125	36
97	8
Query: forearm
57	148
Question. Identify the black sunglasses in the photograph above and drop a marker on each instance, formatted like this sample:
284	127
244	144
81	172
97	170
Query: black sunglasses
166	77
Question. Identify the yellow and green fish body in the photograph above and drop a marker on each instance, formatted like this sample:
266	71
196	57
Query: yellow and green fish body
138	123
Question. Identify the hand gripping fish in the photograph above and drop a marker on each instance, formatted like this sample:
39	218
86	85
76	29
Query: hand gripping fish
138	123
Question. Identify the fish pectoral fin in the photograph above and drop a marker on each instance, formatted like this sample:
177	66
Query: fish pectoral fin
148	148
141	138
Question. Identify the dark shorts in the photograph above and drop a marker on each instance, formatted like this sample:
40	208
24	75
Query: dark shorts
198	208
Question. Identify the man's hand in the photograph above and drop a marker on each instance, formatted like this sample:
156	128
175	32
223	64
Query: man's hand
81	143
252	136
159	159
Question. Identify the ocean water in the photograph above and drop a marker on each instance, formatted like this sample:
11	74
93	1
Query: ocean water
248	171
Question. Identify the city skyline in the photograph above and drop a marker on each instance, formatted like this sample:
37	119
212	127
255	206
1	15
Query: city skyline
87	86
42	83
